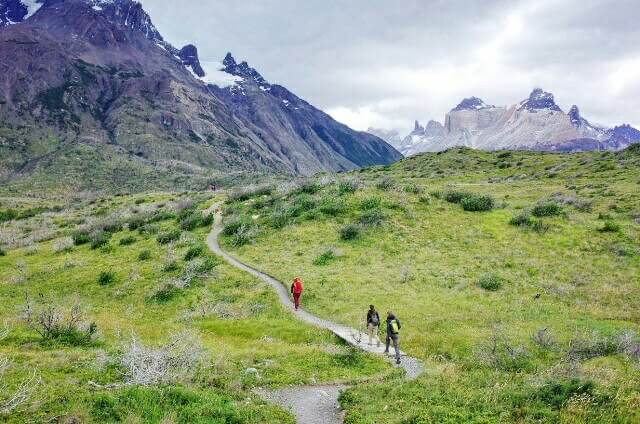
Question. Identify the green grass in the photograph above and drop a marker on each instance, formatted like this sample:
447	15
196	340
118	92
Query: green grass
427	261
122	290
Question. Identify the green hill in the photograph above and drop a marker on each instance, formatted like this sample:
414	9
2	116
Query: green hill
515	275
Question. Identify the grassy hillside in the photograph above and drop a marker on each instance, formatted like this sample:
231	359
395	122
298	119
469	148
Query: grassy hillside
114	311
515	275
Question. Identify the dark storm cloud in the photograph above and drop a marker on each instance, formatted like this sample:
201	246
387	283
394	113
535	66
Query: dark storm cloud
386	63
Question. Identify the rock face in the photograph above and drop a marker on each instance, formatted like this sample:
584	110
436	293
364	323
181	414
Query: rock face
95	80
536	123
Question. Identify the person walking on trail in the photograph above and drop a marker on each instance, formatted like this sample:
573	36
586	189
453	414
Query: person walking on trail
296	290
373	325
393	334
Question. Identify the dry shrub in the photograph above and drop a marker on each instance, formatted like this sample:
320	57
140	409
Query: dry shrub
12	400
178	360
63	245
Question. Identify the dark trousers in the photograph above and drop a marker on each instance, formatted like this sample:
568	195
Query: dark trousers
396	344
296	299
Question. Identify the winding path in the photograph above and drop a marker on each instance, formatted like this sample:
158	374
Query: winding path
311	404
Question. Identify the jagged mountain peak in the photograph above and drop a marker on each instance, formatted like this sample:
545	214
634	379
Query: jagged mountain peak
538	100
472	103
243	70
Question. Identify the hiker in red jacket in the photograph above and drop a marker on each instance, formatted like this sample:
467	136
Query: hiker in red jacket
296	290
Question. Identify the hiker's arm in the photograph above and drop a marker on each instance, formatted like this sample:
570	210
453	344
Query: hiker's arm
399	325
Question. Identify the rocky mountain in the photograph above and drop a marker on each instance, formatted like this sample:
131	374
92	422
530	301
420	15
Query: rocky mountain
92	96
535	123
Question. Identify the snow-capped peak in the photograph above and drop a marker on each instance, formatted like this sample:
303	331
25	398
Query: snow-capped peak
472	103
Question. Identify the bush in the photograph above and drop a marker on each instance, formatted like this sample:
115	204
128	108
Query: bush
55	324
348	186
413	189
194	252
169	236
386	184
425	199
475	203
610	227
547	209
245	235
456	196
350	232
207	265
207	220
557	393
63	245
190	222
302	203
280	218
437	194
233	225
170	266
80	238
149	229
332	207
310	187
145	255
244	194
490	282
371	203
100	239
106	278
372	218
165	293
522	220
127	241
326	257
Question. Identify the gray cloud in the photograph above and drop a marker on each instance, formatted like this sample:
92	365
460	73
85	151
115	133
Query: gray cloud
385	63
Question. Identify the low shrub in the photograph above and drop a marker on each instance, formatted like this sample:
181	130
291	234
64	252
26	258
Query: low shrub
280	218
170	266
546	209
233	224
413	189
244	194
53	323
332	207
136	222
475	203
207	220
310	187
325	258
348	186
191	222
194	252
106	278
127	241
522	220
557	393
350	232
456	196
370	203
540	227
165	293
372	218
425	199
302	203
610	227
63	245
169	236
437	194
100	239
386	184
2	252
149	229
145	255
490	282
207	265
80	238
246	234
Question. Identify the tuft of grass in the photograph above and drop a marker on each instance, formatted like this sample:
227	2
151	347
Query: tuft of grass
455	196
610	227
557	393
80	238
490	282
371	203
106	278
127	241
145	255
372	218
326	257
386	184
100	239
194	252
350	232
522	220
169	236
348	186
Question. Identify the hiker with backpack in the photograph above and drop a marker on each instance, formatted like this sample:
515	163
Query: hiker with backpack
373	324
393	334
296	290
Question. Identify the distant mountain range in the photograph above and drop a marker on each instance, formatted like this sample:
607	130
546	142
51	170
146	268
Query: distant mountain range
536	123
92	96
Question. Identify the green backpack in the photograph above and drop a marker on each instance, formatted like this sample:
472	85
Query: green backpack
395	329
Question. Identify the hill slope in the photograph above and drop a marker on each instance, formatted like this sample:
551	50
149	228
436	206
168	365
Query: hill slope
536	294
96	76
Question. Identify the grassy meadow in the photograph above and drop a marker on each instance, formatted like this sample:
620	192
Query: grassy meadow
113	310
516	276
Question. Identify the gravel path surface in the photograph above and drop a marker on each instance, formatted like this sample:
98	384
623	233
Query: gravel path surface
321	399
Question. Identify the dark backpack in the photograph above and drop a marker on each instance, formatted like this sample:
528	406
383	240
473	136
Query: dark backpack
375	319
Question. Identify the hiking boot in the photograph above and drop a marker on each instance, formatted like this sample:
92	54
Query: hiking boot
398	361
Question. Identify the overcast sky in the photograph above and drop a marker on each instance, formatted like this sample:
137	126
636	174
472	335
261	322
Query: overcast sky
385	63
